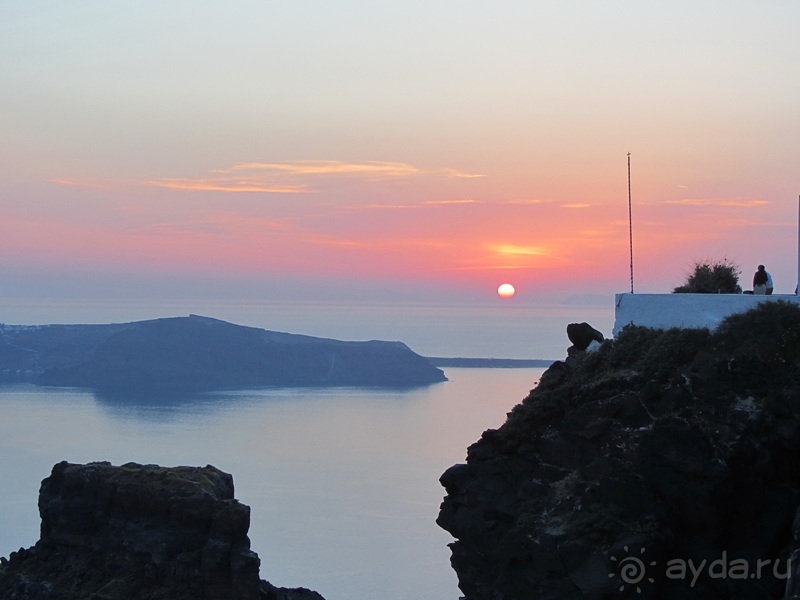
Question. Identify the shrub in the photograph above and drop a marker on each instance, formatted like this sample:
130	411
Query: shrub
712	277
763	344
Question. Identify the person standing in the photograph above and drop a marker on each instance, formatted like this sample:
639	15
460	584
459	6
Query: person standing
769	283
760	280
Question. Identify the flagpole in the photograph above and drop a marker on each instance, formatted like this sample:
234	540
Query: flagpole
630	221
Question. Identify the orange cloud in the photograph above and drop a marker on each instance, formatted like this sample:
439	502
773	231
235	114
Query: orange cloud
529	201
217	185
425	204
334	167
506	257
326	167
75	182
445	202
512	250
281	177
456	173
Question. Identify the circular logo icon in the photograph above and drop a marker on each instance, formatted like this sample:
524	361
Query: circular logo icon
631	570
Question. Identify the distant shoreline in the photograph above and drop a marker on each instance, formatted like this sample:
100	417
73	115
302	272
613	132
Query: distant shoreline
490	363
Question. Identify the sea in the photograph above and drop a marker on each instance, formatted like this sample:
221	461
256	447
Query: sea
342	482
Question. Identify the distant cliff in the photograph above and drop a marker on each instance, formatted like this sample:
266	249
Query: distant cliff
664	464
200	353
139	532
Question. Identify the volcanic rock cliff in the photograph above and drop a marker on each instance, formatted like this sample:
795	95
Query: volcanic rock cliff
139	532
664	464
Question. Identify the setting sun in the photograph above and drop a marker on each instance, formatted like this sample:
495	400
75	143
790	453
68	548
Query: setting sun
506	290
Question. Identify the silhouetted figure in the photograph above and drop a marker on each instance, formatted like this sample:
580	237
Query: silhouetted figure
762	282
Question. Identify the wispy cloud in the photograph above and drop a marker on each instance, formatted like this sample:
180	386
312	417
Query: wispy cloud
576	205
513	250
76	182
369	169
282	177
221	185
529	201
407	206
383	244
447	202
326	167
455	173
725	202
492	267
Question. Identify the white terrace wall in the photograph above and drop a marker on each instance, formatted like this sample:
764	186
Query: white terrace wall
662	311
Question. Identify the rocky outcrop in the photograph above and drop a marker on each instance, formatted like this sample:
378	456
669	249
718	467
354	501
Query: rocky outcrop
137	532
582	335
662	465
195	353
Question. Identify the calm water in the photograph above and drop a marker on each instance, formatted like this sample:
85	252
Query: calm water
343	483
500	329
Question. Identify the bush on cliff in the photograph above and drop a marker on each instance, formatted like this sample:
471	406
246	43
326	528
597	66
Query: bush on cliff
712	277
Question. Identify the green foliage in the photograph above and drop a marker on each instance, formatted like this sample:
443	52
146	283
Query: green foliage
653	354
774	323
712	277
686	378
762	345
638	355
752	353
668	352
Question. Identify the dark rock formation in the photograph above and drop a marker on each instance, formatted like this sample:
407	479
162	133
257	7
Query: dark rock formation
583	334
663	465
139	532
197	353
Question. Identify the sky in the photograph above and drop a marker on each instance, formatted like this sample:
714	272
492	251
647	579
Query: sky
394	152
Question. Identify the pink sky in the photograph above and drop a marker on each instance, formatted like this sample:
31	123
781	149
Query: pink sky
416	150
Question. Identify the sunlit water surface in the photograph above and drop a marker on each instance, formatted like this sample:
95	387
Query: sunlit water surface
342	483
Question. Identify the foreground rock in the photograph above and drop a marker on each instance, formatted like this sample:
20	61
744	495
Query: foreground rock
139	532
198	353
662	465
582	335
